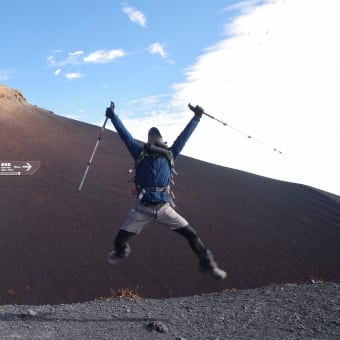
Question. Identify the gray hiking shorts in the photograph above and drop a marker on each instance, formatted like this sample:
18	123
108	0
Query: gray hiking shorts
163	213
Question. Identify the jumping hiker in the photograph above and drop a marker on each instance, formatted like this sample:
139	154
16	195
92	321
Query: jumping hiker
153	166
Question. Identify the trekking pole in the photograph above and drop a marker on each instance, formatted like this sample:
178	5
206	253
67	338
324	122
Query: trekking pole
192	108
93	152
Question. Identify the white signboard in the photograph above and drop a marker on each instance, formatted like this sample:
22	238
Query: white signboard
18	168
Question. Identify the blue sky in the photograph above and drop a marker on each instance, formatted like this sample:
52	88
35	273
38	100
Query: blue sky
268	68
74	56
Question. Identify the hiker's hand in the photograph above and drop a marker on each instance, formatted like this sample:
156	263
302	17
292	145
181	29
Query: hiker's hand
110	111
197	110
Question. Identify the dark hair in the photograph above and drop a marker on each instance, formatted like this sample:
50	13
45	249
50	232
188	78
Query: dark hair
154	132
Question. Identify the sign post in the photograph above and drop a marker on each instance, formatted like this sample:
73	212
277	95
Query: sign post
18	168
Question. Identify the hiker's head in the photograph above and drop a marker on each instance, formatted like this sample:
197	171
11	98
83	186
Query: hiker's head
155	137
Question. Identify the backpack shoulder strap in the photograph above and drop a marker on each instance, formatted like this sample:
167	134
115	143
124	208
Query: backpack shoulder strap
140	158
151	149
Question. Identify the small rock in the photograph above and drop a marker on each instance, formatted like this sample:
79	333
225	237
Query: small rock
158	326
31	312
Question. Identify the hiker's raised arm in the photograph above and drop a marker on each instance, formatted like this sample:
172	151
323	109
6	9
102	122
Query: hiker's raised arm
124	134
183	137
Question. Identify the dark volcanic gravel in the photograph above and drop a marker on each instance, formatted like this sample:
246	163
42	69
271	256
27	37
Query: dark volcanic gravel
309	311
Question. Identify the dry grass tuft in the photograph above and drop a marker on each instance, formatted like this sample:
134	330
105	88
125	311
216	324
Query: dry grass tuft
122	293
125	293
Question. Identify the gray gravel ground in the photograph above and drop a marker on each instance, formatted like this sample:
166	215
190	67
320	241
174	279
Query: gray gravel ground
309	311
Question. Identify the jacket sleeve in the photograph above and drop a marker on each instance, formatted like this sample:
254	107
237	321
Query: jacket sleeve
183	137
126	137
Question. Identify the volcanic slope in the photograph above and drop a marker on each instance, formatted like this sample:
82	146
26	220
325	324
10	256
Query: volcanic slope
54	240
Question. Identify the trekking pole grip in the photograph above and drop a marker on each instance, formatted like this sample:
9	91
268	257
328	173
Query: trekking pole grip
192	108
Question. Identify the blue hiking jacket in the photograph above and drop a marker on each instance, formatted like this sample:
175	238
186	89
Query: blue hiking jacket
154	171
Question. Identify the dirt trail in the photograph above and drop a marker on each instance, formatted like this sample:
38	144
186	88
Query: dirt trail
309	311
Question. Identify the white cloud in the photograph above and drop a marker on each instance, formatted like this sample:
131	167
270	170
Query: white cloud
149	101
244	6
135	15
75	55
76	58
4	75
51	60
157	48
74	116
276	77
57	72
71	58
103	56
73	75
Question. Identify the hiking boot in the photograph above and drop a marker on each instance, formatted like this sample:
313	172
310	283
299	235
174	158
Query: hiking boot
209	265
114	256
215	272
218	273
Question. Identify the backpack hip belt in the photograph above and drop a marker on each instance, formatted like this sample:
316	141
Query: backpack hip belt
142	191
167	189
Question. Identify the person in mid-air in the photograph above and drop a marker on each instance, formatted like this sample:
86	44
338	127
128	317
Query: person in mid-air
154	167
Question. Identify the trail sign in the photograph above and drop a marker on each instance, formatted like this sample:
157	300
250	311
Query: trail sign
18	168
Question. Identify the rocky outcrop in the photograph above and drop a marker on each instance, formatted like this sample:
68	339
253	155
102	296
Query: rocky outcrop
11	95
